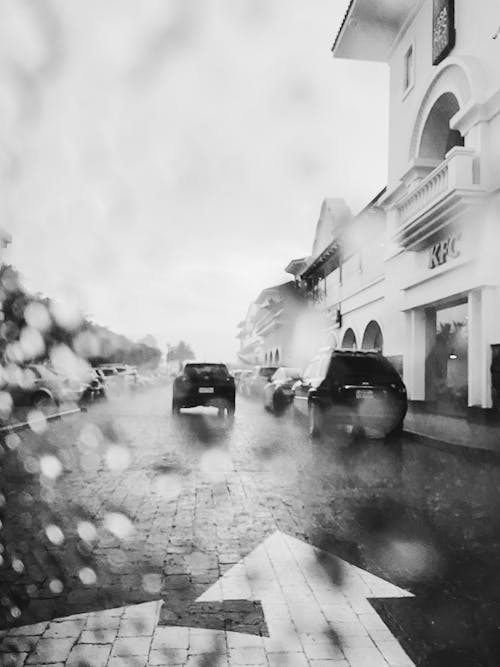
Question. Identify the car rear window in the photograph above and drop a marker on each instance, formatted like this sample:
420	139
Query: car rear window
268	371
360	367
197	371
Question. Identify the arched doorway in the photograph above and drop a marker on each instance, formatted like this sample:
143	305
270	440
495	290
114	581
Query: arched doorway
373	338
437	137
349	340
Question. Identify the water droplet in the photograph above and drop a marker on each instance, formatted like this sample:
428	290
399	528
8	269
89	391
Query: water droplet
6	403
15	612
168	486
31	342
66	314
31	465
118	524
37	316
37	421
87	576
151	583
117	458
17	565
32	590
50	466
90	436
56	586
54	534
87	531
12	441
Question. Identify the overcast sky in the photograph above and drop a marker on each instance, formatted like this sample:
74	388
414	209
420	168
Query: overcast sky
162	161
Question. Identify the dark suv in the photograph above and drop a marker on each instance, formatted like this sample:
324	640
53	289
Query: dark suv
204	384
355	388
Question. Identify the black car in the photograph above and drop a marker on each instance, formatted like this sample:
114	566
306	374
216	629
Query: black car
355	388
278	393
204	384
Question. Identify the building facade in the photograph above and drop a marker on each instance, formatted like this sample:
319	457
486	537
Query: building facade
437	302
266	334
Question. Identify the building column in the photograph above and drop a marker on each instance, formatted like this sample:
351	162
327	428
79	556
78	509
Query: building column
415	350
481	309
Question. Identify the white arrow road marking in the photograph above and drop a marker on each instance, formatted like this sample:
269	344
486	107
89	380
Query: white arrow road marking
315	606
306	593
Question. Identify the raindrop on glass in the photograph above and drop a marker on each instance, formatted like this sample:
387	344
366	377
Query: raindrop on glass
87	531
54	534
50	466
87	576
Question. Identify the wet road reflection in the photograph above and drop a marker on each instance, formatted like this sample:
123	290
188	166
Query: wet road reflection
141	502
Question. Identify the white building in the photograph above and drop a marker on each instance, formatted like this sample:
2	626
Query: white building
438	300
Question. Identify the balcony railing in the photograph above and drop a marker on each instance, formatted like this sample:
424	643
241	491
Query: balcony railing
437	199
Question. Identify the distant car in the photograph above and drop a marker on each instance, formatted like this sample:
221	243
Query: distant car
354	388
260	376
204	384
278	393
243	385
118	377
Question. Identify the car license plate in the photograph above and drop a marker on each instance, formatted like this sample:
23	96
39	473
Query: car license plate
363	393
206	390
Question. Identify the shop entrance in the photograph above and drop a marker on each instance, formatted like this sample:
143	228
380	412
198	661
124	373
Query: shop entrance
446	376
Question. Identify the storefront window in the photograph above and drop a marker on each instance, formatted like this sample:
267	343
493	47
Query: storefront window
447	361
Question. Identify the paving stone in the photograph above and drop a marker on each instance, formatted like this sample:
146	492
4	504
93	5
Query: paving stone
247	656
365	657
50	649
71	628
128	646
32	630
98	636
89	654
168	656
137	627
19	644
287	660
394	654
13	659
170	637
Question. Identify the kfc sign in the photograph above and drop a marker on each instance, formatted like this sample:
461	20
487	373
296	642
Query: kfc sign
444	250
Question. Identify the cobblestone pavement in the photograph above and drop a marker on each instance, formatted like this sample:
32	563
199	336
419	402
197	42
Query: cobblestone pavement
132	537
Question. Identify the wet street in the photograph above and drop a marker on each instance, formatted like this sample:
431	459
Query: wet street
213	541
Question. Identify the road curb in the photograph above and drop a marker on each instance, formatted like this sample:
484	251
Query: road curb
452	447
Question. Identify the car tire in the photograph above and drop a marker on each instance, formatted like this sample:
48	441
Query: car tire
231	408
315	421
176	408
278	403
395	434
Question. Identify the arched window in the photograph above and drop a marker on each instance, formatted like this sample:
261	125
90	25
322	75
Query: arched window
437	137
277	357
349	340
373	338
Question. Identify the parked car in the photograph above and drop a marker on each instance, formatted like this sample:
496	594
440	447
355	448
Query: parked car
278	392
40	386
258	379
205	384
118	377
355	388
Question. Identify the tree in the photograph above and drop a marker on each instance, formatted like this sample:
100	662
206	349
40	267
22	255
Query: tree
180	352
